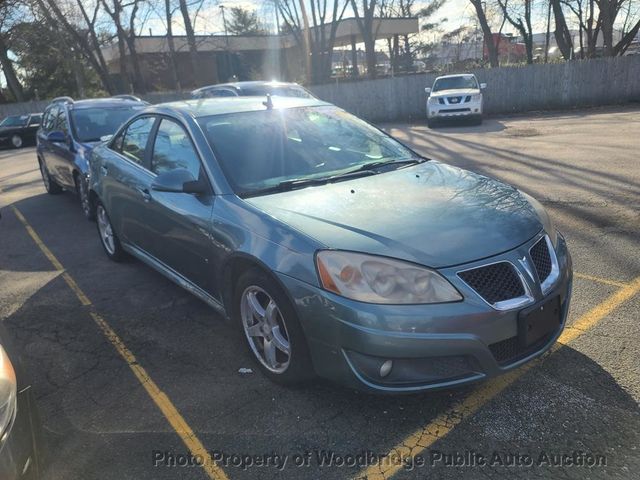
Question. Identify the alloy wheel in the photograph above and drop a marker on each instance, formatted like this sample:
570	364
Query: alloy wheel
106	231
265	329
16	141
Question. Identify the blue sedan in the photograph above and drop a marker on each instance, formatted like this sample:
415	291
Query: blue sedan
337	250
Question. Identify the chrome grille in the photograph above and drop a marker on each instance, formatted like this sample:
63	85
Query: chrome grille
495	283
541	259
454	100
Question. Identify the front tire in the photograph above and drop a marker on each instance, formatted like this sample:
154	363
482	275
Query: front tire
108	238
431	123
272	329
50	185
16	141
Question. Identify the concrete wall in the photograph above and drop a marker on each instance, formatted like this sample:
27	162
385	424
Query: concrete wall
603	81
510	89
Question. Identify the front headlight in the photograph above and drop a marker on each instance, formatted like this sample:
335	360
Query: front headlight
547	222
433	100
373	279
476	98
8	392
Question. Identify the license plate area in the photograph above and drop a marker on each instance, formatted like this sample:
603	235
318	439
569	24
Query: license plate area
538	320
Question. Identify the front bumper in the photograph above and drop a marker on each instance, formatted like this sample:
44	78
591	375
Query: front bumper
465	109
20	448
431	346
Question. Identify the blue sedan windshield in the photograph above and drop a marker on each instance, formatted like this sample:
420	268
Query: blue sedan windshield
260	150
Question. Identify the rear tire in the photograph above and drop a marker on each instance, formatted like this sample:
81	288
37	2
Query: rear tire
50	185
108	238
16	141
271	328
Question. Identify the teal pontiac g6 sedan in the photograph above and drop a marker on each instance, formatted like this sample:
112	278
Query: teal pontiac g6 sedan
336	249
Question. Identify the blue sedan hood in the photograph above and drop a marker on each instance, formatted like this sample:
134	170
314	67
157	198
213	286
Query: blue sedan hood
433	214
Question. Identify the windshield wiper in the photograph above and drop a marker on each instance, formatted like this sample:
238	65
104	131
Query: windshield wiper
362	170
384	163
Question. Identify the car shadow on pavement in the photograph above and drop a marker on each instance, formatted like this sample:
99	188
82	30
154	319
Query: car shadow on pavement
94	410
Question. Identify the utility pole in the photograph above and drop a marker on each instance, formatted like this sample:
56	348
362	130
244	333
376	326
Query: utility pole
546	40
307	50
226	38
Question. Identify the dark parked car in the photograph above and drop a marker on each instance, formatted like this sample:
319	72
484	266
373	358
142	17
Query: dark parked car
19	130
336	249
248	89
70	129
20	430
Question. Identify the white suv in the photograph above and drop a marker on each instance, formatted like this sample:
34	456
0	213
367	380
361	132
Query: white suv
455	96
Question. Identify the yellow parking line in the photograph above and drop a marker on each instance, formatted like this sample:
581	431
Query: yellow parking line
446	421
606	281
170	412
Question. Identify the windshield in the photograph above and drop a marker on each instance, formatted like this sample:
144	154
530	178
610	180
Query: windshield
260	150
91	124
15	121
455	83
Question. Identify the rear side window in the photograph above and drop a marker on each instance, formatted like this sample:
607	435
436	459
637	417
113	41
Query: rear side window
135	139
61	122
173	149
50	119
35	120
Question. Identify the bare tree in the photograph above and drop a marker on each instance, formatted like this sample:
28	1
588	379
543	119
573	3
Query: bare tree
561	31
173	66
519	17
319	41
191	41
7	9
364	19
489	40
52	12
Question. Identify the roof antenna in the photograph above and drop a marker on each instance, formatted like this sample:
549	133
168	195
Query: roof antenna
268	103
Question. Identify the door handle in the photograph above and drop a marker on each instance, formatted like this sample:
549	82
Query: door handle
146	195
104	170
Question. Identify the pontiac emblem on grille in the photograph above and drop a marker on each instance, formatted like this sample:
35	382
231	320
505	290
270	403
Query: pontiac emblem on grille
527	268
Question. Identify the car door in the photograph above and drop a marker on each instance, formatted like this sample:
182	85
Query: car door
126	182
60	161
178	227
44	146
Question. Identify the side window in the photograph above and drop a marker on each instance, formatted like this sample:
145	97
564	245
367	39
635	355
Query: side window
50	118
61	121
35	120
173	149
135	139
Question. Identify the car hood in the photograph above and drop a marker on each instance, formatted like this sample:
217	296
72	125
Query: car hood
433	214
458	92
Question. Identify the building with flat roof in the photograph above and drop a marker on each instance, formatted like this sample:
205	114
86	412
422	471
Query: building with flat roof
223	57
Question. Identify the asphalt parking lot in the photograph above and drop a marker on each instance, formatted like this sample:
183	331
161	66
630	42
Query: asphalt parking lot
133	374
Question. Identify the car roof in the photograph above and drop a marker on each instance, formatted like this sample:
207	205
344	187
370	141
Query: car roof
102	103
223	105
457	75
248	84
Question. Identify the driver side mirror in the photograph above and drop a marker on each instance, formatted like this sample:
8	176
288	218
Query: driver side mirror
483	86
56	137
179	181
427	90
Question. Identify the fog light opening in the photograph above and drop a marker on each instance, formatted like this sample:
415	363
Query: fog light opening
386	367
